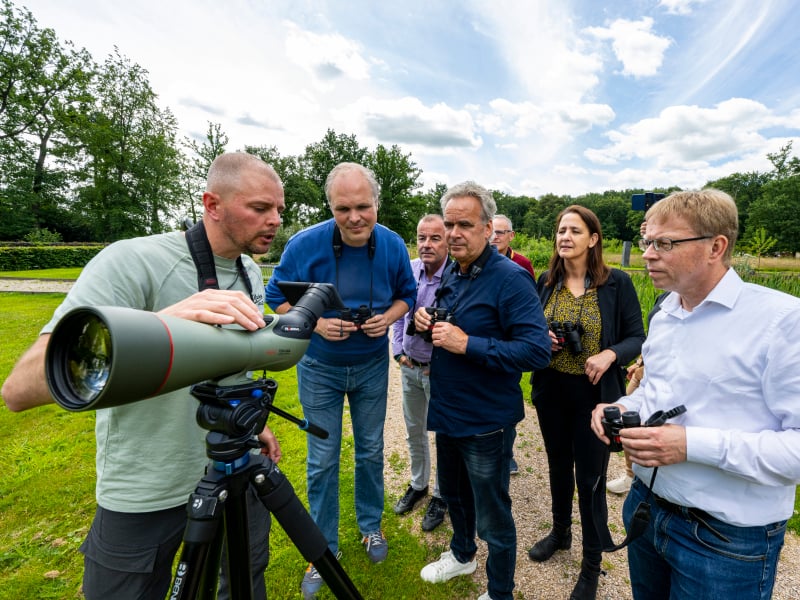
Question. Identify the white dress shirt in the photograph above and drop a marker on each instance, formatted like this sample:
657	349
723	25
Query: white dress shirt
734	362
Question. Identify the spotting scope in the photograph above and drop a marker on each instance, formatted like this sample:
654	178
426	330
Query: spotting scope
102	356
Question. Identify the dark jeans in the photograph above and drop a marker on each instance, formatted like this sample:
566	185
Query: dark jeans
473	479
129	556
564	405
679	558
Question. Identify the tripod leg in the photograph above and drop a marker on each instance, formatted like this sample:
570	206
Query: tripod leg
198	565
278	495
239	575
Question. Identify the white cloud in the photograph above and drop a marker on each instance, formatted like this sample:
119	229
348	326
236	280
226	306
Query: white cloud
689	137
521	119
543	50
640	51
326	57
408	121
680	7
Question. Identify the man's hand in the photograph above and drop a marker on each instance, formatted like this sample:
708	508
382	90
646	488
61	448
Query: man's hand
655	446
375	326
597	421
272	448
335	330
450	337
218	307
422	320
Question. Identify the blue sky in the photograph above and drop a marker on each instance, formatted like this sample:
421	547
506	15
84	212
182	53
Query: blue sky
527	97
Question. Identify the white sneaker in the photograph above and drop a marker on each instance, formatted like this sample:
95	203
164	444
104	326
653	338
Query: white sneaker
446	568
485	596
620	485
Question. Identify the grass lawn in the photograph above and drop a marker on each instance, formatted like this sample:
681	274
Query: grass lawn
47	495
47	490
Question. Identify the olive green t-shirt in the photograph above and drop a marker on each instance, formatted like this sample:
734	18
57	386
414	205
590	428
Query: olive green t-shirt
151	453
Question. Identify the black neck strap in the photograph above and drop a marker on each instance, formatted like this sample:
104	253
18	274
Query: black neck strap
453	272
337	243
203	257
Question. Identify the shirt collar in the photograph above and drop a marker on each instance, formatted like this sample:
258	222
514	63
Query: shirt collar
724	294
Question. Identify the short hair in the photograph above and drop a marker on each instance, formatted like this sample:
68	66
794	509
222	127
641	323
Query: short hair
708	212
430	217
596	268
346	167
226	169
506	219
473	190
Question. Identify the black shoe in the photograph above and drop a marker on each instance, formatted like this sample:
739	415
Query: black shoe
434	514
513	467
586	588
547	546
411	497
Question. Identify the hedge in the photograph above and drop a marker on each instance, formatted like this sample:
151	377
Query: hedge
24	258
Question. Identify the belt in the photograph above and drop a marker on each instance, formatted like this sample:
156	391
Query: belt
697	514
416	363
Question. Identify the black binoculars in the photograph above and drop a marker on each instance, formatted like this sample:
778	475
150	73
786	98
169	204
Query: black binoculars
568	335
358	316
614	422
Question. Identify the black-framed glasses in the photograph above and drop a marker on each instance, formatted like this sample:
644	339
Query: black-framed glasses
666	244
503	231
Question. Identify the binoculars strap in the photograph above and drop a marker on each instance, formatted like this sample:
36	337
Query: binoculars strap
639	522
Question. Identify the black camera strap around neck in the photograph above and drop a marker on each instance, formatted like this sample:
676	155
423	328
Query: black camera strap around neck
337	245
587	283
453	272
203	257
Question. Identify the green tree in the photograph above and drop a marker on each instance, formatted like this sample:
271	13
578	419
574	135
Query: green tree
43	84
197	161
319	160
744	188
398	177
431	199
131	175
760	243
301	194
540	220
513	207
777	211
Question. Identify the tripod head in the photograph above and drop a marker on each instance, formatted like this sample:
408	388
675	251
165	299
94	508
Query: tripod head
235	414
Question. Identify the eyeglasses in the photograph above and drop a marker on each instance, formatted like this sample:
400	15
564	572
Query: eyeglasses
666	244
503	231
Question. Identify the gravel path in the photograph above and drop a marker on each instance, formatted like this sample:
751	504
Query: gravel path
551	580
555	578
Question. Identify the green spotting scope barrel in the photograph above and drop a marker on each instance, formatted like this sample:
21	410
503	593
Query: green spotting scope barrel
106	356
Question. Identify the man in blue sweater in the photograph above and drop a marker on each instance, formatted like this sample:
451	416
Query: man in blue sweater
494	331
349	354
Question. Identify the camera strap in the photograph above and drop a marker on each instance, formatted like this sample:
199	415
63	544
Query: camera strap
203	257
639	521
587	283
337	243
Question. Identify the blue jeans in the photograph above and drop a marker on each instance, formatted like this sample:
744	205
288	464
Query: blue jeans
678	558
416	396
473	479
322	389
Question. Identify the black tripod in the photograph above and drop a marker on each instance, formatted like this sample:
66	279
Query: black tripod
233	415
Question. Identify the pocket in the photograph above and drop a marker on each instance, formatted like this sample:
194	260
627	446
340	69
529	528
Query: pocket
126	559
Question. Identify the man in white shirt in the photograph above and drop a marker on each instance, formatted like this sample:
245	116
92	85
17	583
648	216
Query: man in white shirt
727	469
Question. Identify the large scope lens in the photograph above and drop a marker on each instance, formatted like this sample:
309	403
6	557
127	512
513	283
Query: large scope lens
89	359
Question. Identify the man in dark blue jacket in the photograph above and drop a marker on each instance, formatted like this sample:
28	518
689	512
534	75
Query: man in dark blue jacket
493	331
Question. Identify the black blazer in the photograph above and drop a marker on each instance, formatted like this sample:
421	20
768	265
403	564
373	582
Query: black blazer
622	329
